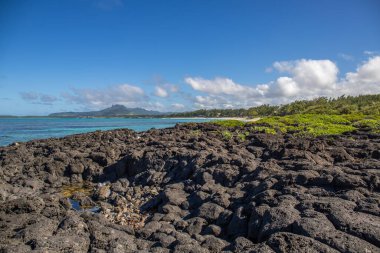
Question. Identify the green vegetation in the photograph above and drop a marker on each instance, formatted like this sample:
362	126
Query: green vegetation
306	124
227	134
229	123
365	104
317	117
242	136
303	125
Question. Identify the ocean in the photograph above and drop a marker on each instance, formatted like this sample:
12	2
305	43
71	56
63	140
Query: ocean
25	129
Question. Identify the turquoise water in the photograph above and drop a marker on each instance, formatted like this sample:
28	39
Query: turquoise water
25	129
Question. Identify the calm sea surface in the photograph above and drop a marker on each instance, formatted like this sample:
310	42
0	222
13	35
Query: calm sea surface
25	129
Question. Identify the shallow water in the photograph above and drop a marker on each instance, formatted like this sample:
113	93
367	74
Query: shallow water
25	129
77	207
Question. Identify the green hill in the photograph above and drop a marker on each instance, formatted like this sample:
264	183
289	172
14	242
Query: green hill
113	111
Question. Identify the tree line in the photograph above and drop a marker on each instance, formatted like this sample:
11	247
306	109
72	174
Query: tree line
363	104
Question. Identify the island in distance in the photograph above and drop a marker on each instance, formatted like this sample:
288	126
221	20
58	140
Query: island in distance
113	111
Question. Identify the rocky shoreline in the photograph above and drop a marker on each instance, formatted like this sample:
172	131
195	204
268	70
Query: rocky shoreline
189	189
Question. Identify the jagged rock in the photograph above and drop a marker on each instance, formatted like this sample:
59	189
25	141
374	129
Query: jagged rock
187	189
209	211
103	192
214	244
195	225
318	227
288	242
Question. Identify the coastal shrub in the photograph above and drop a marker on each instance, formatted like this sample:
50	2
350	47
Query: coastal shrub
327	129
242	136
373	124
263	129
229	123
227	134
353	117
306	124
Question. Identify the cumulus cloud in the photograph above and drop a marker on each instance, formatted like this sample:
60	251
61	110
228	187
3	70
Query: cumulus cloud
124	94
209	101
365	80
287	86
160	92
369	72
225	86
38	98
221	86
216	86
307	78
225	93
300	79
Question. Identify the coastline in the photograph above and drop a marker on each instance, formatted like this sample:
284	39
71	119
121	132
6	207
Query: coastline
14	129
30	128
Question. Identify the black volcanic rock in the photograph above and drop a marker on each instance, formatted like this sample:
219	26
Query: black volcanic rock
170	191
113	111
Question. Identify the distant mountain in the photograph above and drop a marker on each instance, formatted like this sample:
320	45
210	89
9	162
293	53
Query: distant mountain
113	111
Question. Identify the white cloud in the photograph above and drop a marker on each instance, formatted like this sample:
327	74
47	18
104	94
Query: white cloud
124	94
216	86
225	86
160	92
369	72
207	101
225	93
305	79
308	77
365	80
287	86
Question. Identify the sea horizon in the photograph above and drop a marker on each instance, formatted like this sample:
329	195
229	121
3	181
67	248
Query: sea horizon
22	129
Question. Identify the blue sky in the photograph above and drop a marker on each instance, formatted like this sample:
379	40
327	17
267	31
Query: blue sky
183	55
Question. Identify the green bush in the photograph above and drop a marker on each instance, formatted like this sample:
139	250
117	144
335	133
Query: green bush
227	134
229	123
313	124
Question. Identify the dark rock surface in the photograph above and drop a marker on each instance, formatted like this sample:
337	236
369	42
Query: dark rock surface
186	189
